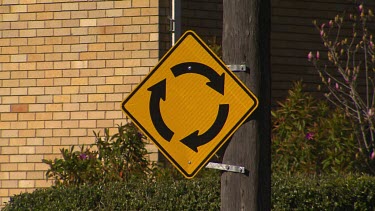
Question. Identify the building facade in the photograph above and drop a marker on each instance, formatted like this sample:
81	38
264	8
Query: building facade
66	66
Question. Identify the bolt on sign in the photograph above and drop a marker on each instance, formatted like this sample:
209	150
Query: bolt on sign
190	104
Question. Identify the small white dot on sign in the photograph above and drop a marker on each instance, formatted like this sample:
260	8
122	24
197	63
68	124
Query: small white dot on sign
189	162
189	68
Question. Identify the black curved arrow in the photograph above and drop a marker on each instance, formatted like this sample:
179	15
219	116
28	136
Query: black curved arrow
193	141
216	81
158	92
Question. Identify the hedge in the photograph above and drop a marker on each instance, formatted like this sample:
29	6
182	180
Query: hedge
351	192
197	194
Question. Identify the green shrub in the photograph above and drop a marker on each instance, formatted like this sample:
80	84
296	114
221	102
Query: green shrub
351	192
215	46
169	194
348	73
123	155
111	158
297	192
309	137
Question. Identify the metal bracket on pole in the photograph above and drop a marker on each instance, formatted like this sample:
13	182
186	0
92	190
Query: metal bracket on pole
226	167
237	67
171	24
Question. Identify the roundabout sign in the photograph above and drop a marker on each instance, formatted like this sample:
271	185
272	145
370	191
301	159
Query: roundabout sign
190	104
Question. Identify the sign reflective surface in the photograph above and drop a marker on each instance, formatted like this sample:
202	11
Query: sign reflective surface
190	104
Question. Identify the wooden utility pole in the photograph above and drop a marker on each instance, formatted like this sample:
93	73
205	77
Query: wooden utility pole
246	34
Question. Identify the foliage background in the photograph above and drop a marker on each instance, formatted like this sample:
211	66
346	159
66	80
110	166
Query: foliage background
309	137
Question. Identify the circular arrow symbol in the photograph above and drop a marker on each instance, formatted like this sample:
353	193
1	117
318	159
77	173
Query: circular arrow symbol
216	81
193	141
158	93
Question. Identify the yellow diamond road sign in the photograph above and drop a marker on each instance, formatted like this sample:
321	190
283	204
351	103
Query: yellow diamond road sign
190	104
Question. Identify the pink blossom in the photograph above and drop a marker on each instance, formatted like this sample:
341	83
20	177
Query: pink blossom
337	86
360	8
317	55
371	44
330	23
372	156
309	136
329	80
370	112
83	156
309	56
322	29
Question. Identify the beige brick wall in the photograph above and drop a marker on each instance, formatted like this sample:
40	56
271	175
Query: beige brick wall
65	67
